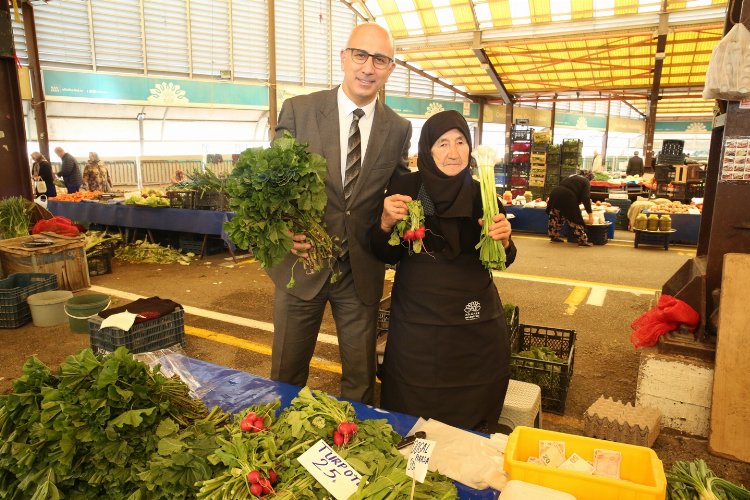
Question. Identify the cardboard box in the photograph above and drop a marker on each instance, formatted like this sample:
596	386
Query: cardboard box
65	257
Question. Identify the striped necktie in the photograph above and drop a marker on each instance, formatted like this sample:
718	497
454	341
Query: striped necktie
353	155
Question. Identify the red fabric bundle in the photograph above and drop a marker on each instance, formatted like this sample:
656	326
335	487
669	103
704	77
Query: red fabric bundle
668	314
57	224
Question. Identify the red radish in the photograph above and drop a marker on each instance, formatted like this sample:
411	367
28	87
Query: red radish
250	415
256	489
273	476
419	232
338	438
265	484
409	235
352	427
258	424
253	476
246	426
344	428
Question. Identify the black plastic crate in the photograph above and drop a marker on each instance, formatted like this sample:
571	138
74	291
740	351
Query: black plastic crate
100	263
664	173
670	159
553	377
15	289
181	199
672	146
212	200
152	335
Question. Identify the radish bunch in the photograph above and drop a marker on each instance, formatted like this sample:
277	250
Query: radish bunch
410	229
261	485
344	433
252	423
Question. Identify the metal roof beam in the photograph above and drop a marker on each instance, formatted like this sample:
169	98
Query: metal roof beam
434	79
486	64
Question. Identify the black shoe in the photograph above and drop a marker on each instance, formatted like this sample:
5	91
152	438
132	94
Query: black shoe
555	239
585	244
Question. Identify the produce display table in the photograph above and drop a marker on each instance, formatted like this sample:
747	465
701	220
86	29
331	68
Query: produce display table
183	220
686	226
233	390
658	238
534	220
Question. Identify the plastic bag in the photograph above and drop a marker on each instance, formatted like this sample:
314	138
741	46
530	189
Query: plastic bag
728	74
668	315
57	224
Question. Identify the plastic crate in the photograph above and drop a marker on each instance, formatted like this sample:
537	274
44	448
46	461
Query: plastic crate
641	472
670	159
15	289
213	246
212	201
672	146
181	199
100	262
553	377
148	336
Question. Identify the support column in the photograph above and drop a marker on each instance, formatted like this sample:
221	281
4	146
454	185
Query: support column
272	91
508	126
605	137
552	122
38	99
14	163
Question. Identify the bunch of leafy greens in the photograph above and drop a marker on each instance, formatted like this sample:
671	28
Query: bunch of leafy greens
15	217
113	428
277	192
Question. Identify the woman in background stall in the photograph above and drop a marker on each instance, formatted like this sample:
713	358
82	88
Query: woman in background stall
95	175
42	170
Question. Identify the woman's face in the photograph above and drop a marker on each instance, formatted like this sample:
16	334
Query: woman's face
451	152
91	156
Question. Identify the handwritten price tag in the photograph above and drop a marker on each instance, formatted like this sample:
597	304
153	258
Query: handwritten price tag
416	465
332	471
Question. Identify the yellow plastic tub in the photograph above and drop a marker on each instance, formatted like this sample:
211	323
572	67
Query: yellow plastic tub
641	471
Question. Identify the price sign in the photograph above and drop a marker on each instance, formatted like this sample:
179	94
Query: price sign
416	465
332	471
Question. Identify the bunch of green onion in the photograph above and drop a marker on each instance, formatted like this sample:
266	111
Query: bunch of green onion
491	252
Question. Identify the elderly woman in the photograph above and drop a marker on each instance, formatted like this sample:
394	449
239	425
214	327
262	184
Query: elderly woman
96	175
42	170
563	208
447	355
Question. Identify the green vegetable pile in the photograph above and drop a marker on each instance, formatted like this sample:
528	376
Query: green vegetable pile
152	253
695	481
601	176
207	181
113	428
152	201
542	372
15	217
277	192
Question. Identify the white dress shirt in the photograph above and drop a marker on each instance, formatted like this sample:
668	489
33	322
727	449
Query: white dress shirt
346	113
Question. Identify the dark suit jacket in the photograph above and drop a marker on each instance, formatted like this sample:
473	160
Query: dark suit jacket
313	119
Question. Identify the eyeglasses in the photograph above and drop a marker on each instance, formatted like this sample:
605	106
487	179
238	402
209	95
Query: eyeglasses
360	56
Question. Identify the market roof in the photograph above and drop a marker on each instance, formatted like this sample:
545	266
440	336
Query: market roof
544	50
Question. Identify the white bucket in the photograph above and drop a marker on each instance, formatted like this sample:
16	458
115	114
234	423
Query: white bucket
48	308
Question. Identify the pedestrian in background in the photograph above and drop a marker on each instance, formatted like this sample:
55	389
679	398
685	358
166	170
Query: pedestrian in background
42	170
564	207
635	165
365	144
69	170
95	175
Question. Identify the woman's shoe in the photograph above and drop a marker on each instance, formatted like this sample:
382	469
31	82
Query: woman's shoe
555	239
585	244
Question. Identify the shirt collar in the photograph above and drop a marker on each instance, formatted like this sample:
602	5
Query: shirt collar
346	106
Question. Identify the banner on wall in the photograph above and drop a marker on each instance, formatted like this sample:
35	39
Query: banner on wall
424	108
161	91
685	127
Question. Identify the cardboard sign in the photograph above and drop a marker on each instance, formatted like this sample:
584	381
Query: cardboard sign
332	471
416	465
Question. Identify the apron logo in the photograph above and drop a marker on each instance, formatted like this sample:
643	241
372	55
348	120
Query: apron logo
471	311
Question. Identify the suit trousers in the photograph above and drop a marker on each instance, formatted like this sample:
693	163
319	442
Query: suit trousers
296	325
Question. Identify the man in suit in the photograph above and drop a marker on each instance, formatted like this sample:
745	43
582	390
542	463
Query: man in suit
358	172
635	165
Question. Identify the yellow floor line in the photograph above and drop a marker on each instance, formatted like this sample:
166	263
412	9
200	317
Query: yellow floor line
572	282
615	243
249	345
575	298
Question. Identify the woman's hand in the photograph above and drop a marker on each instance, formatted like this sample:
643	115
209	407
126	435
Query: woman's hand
500	229
394	210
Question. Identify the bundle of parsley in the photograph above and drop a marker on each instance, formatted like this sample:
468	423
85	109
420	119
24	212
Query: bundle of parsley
277	192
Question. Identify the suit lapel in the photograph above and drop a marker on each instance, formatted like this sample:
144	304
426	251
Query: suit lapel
328	128
378	134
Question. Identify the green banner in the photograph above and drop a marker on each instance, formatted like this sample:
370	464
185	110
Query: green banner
694	127
99	87
424	108
580	121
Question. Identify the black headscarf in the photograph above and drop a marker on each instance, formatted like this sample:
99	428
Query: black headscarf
451	195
